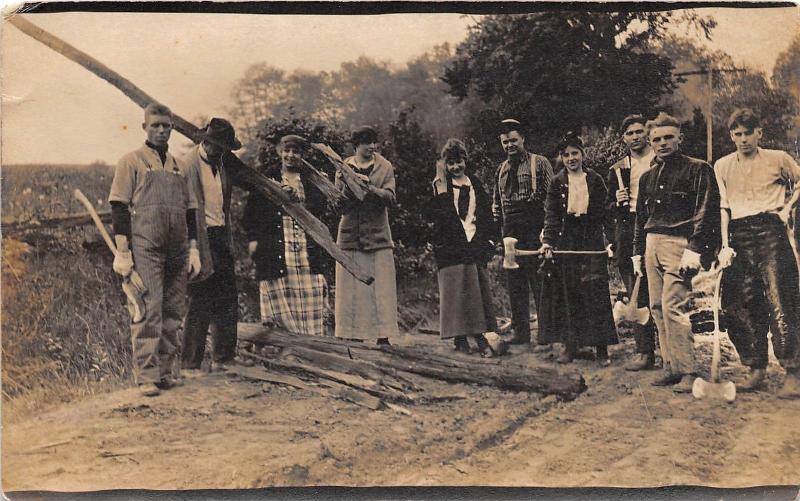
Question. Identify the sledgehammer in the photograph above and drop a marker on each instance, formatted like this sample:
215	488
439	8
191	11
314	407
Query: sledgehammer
714	390
511	252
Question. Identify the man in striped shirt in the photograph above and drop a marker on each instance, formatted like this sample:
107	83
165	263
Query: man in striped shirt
521	184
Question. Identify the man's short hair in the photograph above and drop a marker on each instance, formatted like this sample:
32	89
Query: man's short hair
157	109
633	119
662	120
454	149
510	125
744	117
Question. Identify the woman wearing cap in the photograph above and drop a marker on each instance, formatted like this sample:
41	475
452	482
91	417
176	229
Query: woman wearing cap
367	312
289	265
460	212
576	306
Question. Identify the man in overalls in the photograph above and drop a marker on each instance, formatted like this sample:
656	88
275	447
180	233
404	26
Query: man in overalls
153	215
521	183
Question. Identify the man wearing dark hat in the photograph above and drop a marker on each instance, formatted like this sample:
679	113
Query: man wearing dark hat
521	184
212	294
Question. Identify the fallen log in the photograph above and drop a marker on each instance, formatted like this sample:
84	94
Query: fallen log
61	221
246	176
420	361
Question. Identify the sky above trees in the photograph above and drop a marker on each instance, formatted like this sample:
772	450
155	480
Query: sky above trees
56	112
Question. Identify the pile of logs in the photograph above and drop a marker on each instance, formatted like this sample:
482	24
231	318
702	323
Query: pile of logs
371	375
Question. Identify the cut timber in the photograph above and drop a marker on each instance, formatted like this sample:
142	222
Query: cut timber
321	181
420	361
246	176
349	176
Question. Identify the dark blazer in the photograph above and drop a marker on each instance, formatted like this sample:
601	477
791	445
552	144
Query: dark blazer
679	196
598	219
263	223
450	245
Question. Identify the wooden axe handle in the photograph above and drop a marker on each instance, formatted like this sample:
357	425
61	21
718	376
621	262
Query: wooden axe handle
100	226
559	252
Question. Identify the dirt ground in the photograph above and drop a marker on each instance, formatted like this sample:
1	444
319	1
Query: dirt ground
219	431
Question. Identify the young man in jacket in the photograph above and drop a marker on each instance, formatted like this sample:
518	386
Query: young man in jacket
213	299
521	184
153	215
760	282
621	202
677	227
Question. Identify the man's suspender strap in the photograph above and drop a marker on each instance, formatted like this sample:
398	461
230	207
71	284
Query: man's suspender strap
531	165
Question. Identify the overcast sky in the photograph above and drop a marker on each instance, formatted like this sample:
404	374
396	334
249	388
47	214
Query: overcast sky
56	112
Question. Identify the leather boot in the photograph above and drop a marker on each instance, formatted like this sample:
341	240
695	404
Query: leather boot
642	362
754	382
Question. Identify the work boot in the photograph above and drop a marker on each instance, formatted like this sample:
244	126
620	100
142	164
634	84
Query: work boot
567	356
754	382
168	382
791	385
668	379
149	390
642	362
684	385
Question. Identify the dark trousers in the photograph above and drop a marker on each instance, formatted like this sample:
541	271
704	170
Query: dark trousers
212	303
760	290
644	335
521	283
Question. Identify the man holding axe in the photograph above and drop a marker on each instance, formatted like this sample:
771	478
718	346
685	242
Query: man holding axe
623	192
213	299
759	287
521	184
153	215
677	225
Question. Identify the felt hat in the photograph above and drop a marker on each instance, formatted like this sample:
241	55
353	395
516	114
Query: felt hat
220	132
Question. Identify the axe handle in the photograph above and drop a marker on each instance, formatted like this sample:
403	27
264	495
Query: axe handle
100	226
560	252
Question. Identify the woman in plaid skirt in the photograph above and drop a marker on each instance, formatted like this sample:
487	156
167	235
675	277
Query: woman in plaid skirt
289	264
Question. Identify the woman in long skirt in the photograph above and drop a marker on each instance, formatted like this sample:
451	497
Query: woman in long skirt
462	229
576	305
289	265
367	312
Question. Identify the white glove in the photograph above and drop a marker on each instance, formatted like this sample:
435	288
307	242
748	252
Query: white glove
194	262
726	255
123	263
690	261
610	250
637	265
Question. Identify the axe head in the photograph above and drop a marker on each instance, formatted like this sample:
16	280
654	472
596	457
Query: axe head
702	389
510	253
134	289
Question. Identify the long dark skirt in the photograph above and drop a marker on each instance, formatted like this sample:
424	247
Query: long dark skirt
465	301
576	305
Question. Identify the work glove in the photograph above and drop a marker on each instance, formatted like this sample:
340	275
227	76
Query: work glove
123	263
610	250
622	197
690	262
637	265
726	255
194	262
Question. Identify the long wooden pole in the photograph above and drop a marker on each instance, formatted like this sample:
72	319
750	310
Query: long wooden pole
248	177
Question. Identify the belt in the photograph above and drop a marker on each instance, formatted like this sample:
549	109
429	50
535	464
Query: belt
763	219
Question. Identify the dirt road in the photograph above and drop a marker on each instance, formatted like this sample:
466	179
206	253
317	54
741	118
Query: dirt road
222	432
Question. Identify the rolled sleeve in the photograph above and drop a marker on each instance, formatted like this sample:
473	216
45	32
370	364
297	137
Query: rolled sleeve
790	168
719	174
124	182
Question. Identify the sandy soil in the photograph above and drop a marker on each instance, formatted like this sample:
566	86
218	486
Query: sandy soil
219	431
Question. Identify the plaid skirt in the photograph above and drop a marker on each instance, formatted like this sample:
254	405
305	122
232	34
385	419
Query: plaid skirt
297	301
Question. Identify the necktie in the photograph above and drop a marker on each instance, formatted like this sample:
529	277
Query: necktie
463	202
